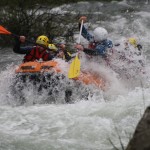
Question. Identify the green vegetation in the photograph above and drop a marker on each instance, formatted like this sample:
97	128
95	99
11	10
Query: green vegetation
32	18
45	2
33	21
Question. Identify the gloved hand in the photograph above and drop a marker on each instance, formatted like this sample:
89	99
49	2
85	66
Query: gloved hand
62	46
79	47
22	39
60	54
84	18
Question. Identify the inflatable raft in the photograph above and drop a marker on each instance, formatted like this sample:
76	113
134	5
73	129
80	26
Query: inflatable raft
36	69
51	79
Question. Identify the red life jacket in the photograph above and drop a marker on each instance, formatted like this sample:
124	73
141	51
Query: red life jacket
92	45
36	55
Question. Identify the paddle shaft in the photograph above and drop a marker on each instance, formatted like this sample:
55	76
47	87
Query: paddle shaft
80	32
5	31
74	70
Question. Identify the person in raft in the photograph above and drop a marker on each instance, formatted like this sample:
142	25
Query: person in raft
98	42
62	48
34	53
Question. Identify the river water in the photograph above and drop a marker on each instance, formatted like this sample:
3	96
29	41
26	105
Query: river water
96	124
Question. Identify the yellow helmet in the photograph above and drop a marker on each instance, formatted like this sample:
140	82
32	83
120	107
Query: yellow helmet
42	40
52	47
133	41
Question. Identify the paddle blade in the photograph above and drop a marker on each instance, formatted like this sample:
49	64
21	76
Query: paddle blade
3	30
74	70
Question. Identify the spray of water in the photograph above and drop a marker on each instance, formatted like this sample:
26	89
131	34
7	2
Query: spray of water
84	124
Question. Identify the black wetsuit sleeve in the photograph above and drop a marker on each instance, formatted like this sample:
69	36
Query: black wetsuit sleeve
139	47
67	56
21	50
90	51
86	34
50	57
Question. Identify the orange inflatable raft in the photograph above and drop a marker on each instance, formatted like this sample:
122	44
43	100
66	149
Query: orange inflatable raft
52	66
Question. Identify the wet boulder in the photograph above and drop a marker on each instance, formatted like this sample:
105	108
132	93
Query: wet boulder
141	136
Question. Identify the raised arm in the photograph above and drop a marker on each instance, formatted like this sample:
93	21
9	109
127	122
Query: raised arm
17	46
85	32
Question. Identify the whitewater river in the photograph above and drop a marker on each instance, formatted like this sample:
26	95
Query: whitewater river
96	124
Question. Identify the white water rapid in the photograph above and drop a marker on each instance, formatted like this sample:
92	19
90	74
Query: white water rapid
95	124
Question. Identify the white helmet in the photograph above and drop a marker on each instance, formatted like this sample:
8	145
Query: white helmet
100	34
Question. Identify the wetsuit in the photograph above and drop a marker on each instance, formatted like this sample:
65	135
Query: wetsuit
98	48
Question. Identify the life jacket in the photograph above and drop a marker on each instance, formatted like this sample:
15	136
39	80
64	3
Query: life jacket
36	55
92	45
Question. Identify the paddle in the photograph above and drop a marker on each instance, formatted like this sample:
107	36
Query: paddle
74	70
5	31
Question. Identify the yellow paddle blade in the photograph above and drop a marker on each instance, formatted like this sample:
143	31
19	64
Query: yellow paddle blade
74	70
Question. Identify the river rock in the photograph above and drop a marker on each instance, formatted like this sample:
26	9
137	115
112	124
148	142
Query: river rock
141	136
